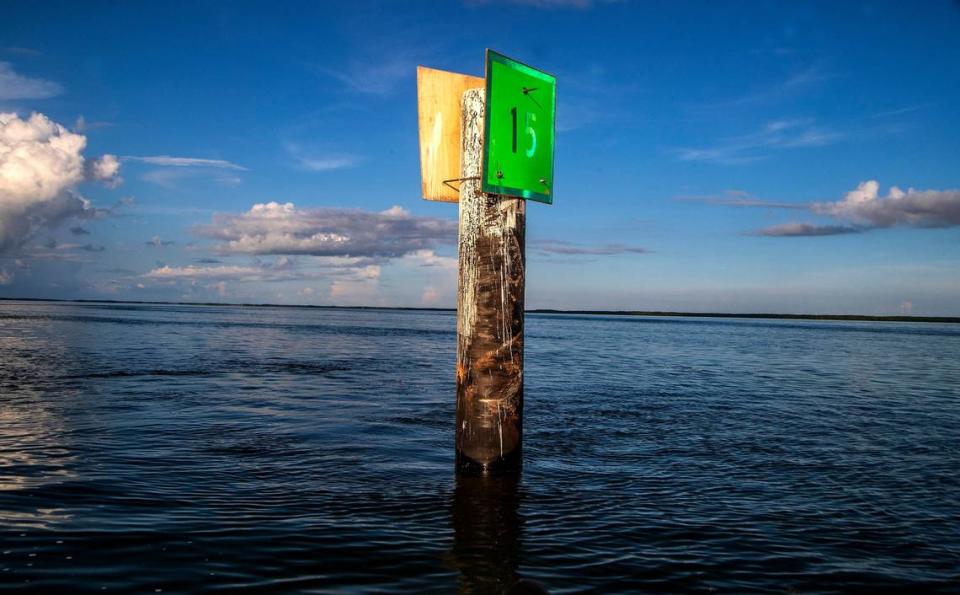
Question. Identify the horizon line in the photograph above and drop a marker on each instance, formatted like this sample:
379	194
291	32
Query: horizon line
640	313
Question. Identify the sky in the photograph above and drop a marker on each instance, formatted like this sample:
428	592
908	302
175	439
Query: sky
795	157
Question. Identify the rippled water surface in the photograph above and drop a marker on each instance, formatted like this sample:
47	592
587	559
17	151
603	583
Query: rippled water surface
189	448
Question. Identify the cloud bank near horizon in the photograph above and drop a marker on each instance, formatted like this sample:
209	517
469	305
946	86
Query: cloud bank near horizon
283	229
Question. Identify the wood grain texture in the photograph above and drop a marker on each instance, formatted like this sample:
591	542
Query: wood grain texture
439	95
489	314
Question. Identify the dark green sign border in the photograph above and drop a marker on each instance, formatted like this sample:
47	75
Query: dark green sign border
493	56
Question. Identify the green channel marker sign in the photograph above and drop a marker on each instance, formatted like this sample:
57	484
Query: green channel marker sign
520	124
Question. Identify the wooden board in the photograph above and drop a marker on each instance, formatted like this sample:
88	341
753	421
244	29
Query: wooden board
439	94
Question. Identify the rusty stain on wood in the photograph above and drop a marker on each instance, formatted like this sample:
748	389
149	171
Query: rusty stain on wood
439	95
490	303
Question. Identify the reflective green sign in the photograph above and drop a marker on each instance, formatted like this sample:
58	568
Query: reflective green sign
518	140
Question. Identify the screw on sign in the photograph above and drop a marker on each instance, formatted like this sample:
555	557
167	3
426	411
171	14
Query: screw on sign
488	145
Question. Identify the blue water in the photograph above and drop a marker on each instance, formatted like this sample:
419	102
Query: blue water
194	449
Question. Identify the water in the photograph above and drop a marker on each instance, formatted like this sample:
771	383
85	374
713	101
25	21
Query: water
188	448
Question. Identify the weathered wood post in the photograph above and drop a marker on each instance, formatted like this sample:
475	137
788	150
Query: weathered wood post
489	312
500	159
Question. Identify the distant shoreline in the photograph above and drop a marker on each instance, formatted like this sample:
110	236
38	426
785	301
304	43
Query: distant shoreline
850	317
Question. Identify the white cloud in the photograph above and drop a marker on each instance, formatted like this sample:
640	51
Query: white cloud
913	208
361	287
17	86
345	275
274	228
168	161
199	272
221	273
105	169
328	163
863	209
429	258
41	164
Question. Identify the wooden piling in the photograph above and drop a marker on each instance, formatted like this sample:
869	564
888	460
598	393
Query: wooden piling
489	313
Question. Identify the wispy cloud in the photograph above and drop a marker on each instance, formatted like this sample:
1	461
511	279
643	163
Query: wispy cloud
320	161
376	75
770	93
774	136
17	86
545	4
890	113
570	248
739	198
24	51
797	229
158	242
171	177
168	161
328	163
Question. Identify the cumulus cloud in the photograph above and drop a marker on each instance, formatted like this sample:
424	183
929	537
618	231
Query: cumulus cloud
41	164
274	228
105	169
863	209
913	208
17	86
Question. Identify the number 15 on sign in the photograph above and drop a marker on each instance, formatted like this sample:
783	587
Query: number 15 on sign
519	133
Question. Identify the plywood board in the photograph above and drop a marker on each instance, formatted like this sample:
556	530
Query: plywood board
438	108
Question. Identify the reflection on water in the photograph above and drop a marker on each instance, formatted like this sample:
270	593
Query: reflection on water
34	439
487	531
202	449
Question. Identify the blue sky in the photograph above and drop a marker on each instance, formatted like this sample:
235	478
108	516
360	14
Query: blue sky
758	156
